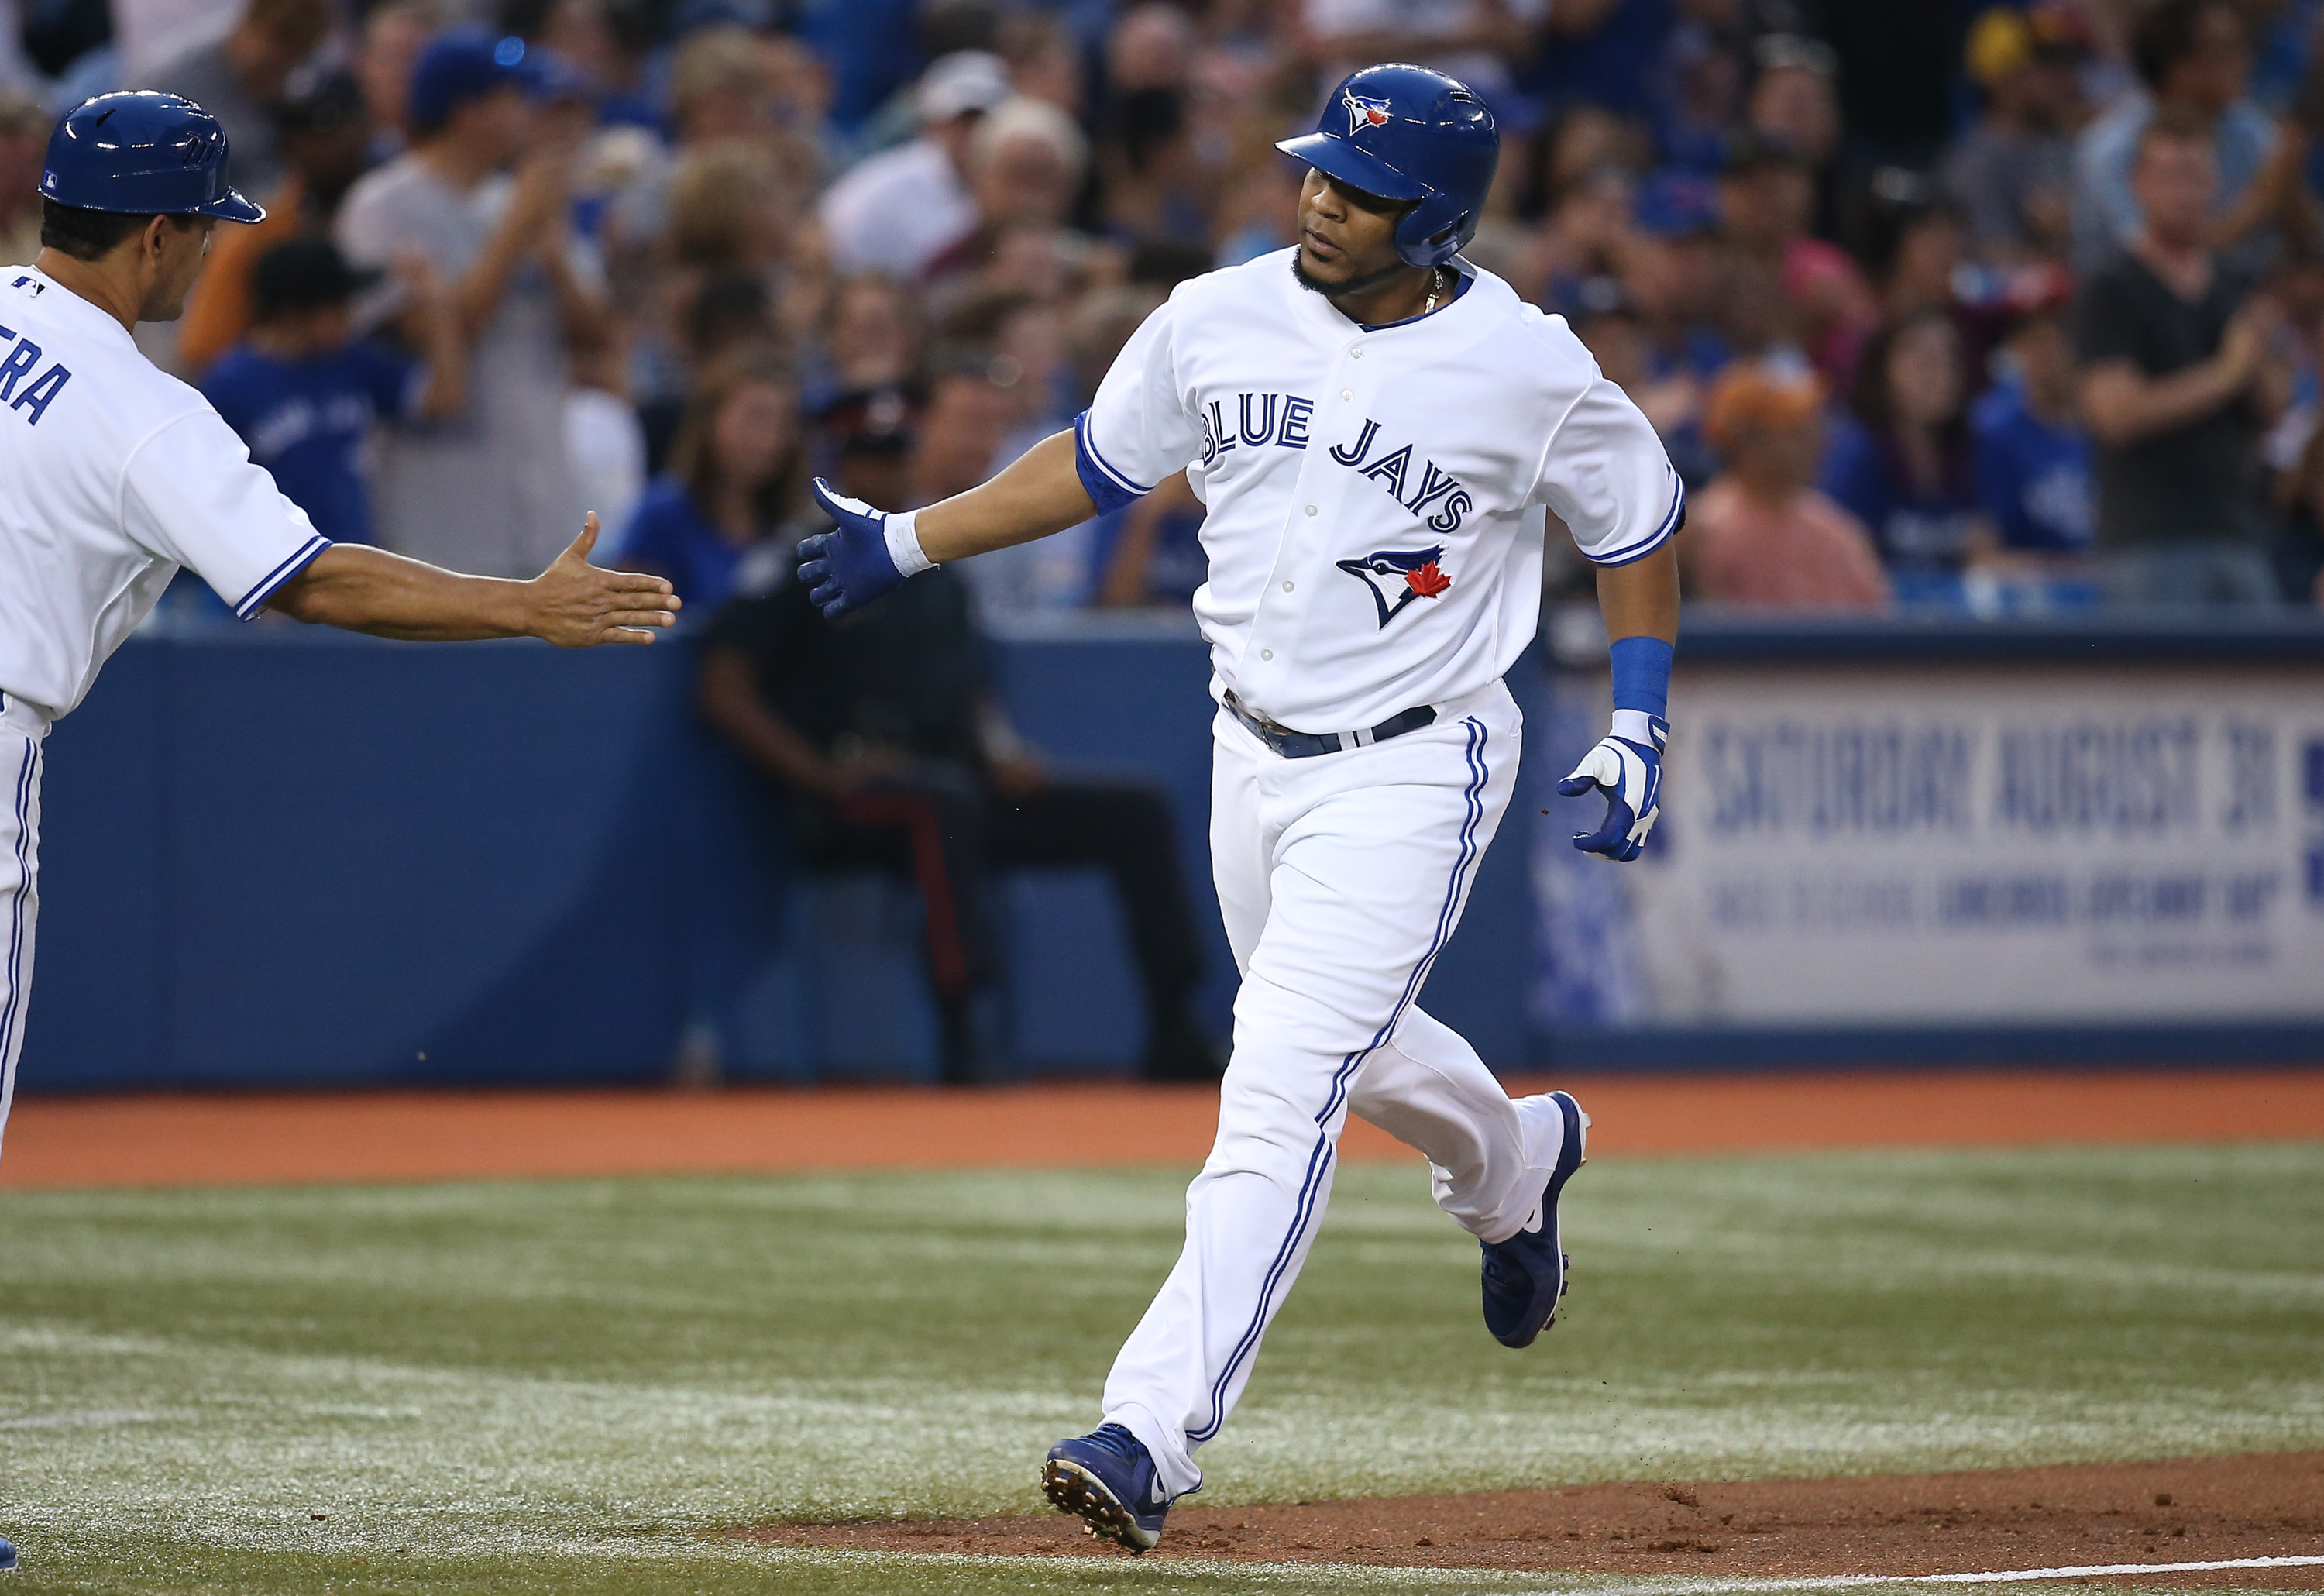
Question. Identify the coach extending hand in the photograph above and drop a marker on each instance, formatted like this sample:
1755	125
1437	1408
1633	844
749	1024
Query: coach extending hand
114	476
572	604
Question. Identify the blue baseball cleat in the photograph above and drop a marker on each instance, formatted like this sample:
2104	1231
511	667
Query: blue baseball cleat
1525	1276
7	1555
1106	1479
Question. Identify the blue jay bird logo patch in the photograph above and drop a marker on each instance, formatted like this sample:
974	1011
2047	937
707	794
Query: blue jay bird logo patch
1409	574
1363	111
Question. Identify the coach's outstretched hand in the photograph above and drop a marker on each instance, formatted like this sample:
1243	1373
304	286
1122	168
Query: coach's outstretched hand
849	566
1627	766
577	605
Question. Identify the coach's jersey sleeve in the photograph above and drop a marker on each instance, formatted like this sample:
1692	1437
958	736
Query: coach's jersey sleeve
190	495
1606	477
1136	431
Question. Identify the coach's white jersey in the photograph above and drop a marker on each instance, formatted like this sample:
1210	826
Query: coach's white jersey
113	473
1374	494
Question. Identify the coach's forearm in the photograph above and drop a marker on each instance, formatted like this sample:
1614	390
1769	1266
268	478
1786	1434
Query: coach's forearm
362	589
1039	493
1641	600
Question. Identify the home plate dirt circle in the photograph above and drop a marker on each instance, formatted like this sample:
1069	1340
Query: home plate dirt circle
2180	1511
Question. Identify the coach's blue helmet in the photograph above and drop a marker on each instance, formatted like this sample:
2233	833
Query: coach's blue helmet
145	153
1406	132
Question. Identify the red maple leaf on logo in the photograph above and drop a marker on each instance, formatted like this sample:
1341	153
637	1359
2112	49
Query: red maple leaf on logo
1427	581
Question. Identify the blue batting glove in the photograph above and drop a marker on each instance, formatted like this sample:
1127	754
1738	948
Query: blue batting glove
1627	766
849	566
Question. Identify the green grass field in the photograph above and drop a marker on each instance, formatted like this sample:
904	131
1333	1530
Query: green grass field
572	1386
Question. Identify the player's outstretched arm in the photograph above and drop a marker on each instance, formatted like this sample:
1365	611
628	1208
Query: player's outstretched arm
573	603
869	551
1640	601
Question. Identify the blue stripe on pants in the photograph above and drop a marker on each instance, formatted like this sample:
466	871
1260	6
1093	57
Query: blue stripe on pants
1319	1160
19	929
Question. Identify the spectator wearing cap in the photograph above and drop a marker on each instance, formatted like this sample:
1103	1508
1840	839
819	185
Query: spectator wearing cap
885	735
326	141
1762	535
495	491
2032	456
1903	467
2193	58
304	394
2011	173
2178	382
736	474
242	76
899	210
25	128
1672	270
1766	196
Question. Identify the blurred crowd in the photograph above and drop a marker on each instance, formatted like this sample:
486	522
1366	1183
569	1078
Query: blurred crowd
1993	308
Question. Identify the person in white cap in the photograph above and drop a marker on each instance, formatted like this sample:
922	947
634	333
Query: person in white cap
903	207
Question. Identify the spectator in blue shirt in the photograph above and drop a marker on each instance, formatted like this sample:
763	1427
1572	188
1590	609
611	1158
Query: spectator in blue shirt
1903	468
2032	456
304	394
736	471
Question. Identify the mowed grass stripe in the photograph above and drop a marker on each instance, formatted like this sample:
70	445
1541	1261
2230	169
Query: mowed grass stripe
490	1375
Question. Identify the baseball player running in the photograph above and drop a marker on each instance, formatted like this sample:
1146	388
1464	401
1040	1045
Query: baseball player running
1376	427
114	474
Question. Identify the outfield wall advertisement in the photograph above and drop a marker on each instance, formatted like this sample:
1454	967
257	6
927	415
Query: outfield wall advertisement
1944	845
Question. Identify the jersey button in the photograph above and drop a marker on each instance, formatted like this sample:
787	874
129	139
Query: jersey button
1287	587
1310	510
1267	654
1348	393
1356	354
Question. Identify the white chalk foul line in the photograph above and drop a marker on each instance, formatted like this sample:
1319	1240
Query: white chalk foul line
1841	1582
2095	1568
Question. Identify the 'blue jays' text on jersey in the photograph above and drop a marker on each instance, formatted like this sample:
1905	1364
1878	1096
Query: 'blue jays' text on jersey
1375	495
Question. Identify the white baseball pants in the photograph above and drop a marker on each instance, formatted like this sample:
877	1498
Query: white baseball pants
1341	878
20	734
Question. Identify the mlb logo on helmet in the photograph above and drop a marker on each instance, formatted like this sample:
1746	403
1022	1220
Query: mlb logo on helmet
1363	111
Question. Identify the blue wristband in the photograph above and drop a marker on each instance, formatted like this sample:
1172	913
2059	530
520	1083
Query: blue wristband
1642	668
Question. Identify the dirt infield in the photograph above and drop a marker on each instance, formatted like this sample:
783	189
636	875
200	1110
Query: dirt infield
2183	1510
189	1140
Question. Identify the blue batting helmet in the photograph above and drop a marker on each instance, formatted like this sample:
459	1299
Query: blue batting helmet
142	154
1406	132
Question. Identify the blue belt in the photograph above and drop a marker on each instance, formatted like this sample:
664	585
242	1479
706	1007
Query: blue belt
1302	746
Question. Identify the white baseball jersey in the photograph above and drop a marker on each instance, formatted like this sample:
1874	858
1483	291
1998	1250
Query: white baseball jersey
1374	494
113	474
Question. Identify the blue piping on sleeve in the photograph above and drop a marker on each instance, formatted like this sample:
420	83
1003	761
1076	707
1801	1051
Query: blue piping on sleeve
1108	489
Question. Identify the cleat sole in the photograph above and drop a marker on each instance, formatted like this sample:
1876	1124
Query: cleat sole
1072	1488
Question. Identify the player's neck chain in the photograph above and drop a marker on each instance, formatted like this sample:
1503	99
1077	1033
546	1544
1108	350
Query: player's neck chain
1436	286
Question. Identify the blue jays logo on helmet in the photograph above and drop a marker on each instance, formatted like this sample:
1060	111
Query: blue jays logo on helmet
1364	111
1415	575
1413	136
